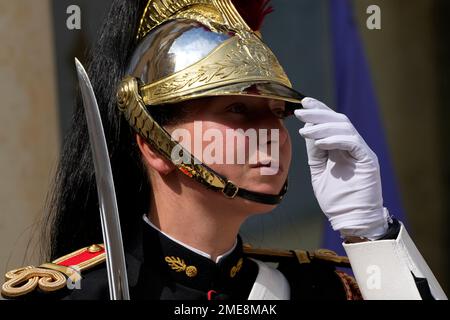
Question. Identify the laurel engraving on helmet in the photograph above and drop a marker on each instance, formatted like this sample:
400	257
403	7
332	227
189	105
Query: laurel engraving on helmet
246	57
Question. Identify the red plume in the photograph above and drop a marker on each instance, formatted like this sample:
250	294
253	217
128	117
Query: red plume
253	11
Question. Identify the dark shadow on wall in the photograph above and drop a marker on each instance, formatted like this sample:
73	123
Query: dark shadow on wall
73	43
442	12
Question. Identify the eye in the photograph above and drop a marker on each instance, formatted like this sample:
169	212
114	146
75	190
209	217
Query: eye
280	112
238	108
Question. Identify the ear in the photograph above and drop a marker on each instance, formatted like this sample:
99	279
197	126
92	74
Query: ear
153	158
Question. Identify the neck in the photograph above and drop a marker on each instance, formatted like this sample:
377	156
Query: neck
195	218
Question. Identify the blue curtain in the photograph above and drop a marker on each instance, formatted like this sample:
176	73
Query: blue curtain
355	97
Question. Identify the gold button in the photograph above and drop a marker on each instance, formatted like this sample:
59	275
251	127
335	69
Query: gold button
94	248
191	271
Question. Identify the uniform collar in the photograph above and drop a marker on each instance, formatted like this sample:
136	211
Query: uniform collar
197	251
179	264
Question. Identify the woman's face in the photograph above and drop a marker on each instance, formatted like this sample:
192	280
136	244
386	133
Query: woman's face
242	138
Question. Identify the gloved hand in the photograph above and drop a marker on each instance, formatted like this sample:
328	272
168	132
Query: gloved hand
345	172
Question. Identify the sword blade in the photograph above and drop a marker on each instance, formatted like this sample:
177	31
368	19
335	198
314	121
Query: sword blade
109	213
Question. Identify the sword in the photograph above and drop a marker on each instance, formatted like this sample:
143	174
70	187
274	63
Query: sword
109	213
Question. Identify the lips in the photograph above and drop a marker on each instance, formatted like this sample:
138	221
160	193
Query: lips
268	166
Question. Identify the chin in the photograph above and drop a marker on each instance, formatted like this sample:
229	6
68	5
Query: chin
255	208
268	188
267	184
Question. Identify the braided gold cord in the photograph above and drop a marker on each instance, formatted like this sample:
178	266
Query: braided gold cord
24	280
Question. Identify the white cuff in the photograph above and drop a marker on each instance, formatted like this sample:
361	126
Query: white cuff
384	268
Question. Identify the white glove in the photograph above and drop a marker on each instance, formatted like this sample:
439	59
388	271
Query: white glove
345	172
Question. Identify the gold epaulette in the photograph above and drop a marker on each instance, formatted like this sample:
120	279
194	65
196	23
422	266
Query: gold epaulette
349	284
302	256
53	276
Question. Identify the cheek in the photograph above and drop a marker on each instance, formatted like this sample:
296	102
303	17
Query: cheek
207	141
212	142
220	153
218	150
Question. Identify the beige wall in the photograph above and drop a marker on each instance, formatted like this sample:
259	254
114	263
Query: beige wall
28	122
404	66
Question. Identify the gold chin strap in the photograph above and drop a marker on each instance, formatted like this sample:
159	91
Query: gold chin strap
135	111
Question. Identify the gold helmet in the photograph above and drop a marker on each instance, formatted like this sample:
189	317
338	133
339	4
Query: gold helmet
190	49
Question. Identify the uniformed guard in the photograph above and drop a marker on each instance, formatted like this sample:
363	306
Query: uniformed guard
160	66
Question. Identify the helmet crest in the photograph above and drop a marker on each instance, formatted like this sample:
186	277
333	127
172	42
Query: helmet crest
253	11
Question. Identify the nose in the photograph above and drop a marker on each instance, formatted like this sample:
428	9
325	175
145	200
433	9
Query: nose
277	124
270	121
